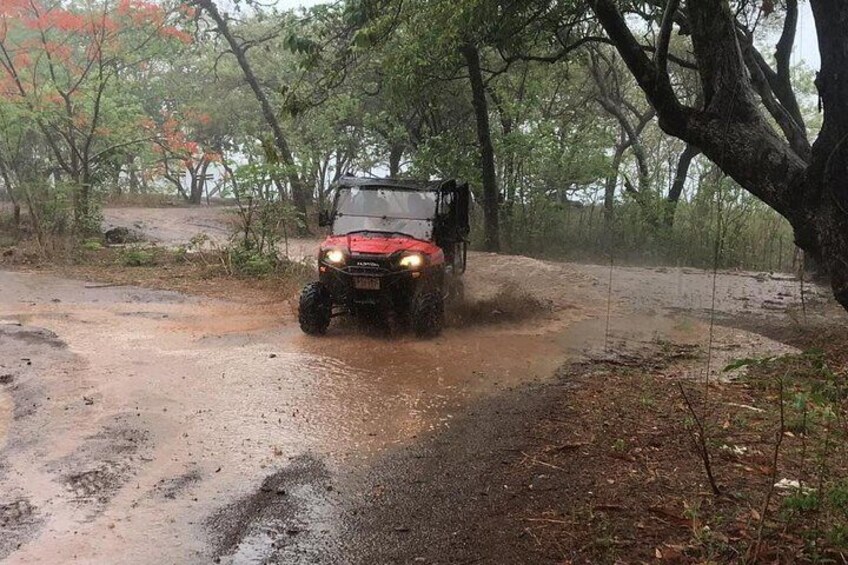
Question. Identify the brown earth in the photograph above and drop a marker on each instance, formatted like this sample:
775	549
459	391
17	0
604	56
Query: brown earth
544	425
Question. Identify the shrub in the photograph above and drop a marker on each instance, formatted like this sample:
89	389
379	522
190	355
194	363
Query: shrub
252	263
137	258
92	245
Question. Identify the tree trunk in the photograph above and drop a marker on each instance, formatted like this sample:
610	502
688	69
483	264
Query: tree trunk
198	182
395	155
16	207
84	213
487	152
826	189
132	173
280	141
680	176
612	181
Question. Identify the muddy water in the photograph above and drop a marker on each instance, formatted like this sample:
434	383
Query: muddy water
131	419
150	410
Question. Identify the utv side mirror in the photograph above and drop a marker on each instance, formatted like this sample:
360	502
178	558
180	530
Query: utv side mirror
324	219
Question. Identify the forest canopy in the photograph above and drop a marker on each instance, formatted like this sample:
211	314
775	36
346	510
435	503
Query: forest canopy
665	131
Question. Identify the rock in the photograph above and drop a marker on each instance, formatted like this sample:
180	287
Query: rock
119	235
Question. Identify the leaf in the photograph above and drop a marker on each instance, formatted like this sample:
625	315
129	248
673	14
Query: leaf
747	362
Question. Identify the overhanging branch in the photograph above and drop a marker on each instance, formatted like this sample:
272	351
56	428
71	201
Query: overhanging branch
661	56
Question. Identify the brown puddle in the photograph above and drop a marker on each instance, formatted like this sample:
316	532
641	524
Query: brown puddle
164	409
156	390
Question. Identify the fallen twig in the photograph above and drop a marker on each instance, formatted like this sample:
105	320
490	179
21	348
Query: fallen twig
540	462
548	520
701	442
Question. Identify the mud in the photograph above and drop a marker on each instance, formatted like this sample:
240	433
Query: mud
143	426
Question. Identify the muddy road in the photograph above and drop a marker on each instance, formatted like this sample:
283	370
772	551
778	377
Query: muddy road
142	426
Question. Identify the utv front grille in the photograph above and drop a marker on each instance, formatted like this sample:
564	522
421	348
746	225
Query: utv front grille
370	265
357	270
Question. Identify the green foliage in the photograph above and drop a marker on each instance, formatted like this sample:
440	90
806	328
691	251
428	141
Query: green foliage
263	221
136	257
92	245
838	497
265	218
801	502
545	227
251	262
360	87
813	399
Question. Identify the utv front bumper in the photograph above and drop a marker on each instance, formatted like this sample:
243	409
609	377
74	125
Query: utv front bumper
376	280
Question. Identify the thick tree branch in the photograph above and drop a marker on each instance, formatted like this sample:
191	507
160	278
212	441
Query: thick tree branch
727	91
792	130
664	38
682	172
656	85
783	50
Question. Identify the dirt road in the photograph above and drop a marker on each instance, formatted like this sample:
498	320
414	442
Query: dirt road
143	426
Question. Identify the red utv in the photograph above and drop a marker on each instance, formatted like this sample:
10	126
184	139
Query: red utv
395	246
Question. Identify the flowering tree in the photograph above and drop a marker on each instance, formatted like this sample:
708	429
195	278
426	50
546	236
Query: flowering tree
61	65
187	146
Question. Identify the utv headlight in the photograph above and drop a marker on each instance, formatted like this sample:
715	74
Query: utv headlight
335	256
412	261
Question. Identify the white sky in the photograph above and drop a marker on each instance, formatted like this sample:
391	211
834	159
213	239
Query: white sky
806	43
806	46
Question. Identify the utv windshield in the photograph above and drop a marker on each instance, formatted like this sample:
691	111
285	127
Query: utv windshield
395	211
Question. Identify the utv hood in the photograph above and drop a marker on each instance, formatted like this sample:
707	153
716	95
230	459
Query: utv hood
380	245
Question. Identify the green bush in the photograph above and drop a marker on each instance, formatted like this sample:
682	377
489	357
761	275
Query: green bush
92	245
252	263
137	258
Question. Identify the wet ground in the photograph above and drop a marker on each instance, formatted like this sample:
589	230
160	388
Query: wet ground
142	426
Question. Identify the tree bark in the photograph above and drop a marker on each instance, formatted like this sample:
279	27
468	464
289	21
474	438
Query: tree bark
487	152
280	142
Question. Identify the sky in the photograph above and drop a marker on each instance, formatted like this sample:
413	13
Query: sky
806	47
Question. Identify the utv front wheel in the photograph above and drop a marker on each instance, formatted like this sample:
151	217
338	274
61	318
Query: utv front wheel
316	308
427	314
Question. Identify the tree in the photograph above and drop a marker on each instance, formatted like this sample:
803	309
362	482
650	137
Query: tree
632	120
60	65
484	142
238	49
809	187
